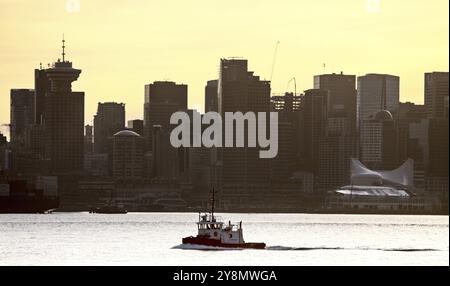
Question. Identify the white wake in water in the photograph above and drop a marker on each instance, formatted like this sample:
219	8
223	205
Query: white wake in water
278	247
287	248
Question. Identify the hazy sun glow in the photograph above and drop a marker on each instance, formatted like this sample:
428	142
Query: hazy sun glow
122	45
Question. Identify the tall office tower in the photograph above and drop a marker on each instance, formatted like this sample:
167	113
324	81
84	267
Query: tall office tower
211	96
35	139
285	163
342	95
88	139
137	125
336	149
22	114
313	122
377	92
437	173
162	99
438	148
412	134
287	106
436	94
244	176
127	156
64	119
379	142
436	103
411	118
110	119
41	87
165	158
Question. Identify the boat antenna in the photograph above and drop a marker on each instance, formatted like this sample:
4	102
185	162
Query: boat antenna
212	204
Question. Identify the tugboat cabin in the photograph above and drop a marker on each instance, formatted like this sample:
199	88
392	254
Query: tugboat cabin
212	227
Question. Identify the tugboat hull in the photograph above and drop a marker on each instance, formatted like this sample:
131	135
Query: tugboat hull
217	243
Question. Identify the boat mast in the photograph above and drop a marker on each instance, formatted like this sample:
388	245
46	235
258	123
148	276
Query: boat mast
212	205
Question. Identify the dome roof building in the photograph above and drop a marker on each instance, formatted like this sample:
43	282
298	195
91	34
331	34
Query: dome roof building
383	115
126	133
127	155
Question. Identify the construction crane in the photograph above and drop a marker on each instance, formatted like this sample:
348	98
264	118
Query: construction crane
295	85
274	59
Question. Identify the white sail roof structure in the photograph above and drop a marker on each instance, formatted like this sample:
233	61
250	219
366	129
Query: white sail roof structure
362	176
372	191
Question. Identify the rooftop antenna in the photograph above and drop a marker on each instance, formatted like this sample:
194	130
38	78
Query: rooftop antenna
40	66
63	47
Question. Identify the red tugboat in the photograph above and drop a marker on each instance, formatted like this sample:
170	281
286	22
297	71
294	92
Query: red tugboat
213	232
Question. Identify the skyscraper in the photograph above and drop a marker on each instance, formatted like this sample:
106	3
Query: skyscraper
110	119
342	95
288	108
336	149
412	131
41	87
162	99
211	96
35	139
436	104
128	156
165	158
63	119
438	148
22	114
377	92
313	122
436	95
88	139
379	142
283	165
244	176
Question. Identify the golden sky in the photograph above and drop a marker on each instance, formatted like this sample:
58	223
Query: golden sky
122	45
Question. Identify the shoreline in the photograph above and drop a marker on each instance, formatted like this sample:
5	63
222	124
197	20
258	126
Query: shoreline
280	212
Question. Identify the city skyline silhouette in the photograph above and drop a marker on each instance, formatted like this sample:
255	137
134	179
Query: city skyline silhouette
128	48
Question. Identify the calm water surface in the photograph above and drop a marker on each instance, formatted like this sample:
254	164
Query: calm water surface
154	239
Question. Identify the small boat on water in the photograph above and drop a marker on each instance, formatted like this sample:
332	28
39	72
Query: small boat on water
110	208
213	232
